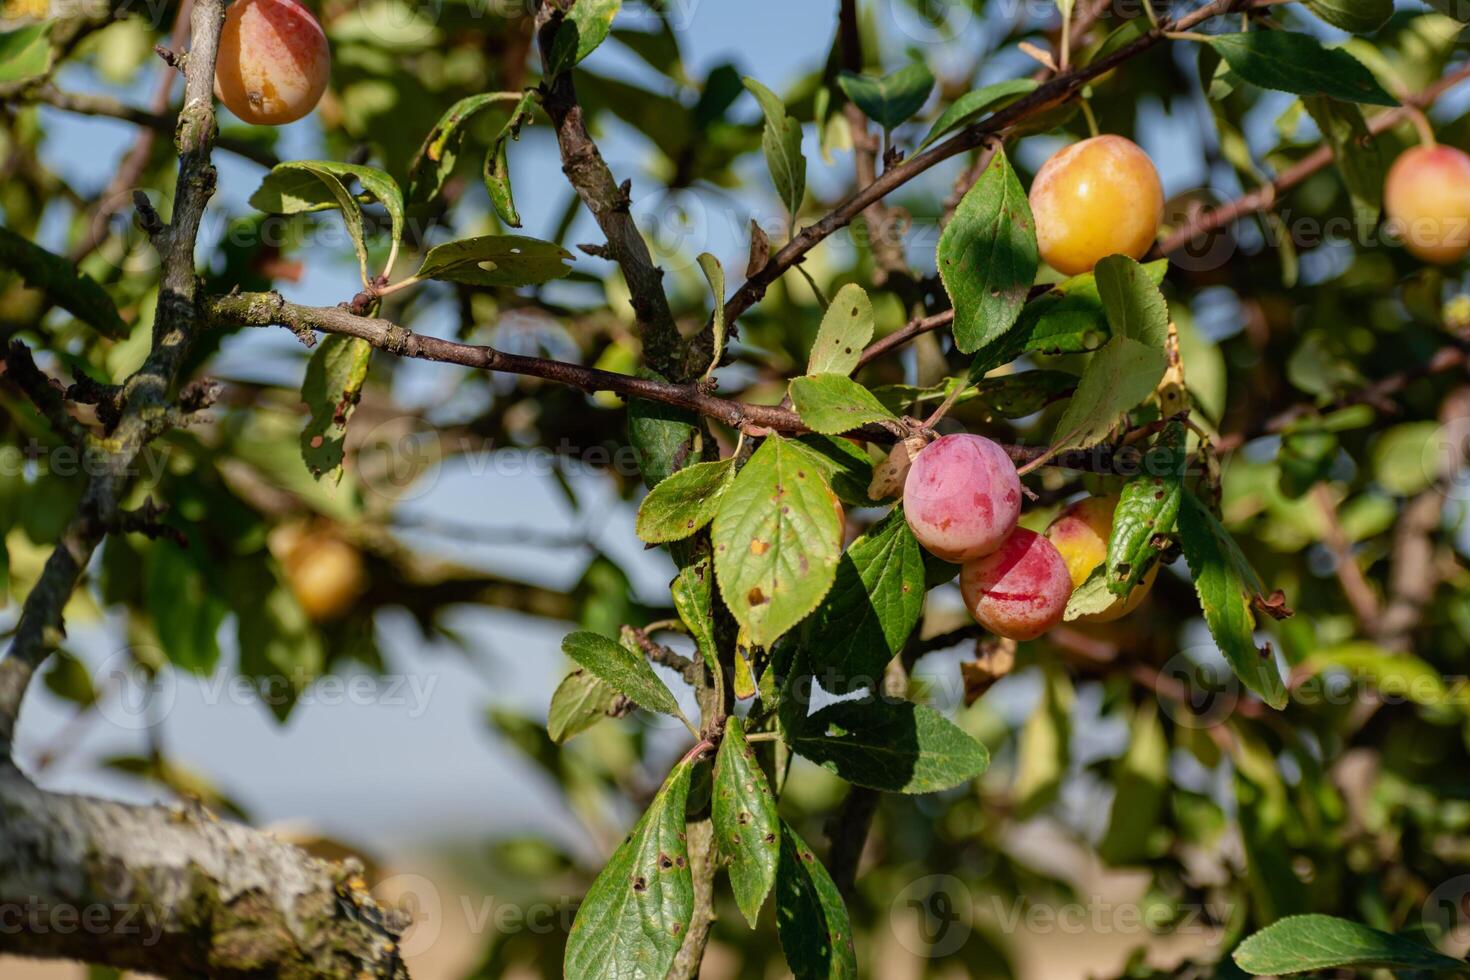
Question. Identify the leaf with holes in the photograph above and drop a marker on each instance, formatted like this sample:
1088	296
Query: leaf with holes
811	919
846	328
833	404
1225	598
1293	62
585	26
333	384
1307	943
987	256
872	609
496	260
746	827
623	669
777	540
894	746
890	100
781	142
436	158
633	920
1147	506
685	502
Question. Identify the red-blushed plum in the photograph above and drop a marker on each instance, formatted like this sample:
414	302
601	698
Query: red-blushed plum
1020	591
274	61
1093	199
1081	534
1427	200
962	497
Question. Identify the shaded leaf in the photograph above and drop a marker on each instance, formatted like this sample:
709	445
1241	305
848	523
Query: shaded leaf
890	100
332	387
1293	62
586	26
987	256
624	670
872	609
497	161
1148	505
781	142
496	260
65	285
580	701
895	746
715	276
745	823
685	502
632	922
1225	599
970	106
811	919
1303	943
25	52
1354	16
693	591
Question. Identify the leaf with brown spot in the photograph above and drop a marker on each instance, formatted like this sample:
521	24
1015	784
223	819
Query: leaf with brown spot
744	815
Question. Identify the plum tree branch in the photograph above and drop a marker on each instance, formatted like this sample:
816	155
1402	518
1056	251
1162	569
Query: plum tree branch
1049	94
271	309
1259	199
609	203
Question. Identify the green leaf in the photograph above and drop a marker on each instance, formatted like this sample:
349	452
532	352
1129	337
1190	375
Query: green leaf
685	502
1298	63
1357	153
1091	597
846	328
1400	457
1131	301
1118	377
1394	673
781	142
1226	601
693	591
1303	943
665	438
633	920
987	256
872	609
497	161
581	700
1043	752
624	670
25	52
1354	16
834	403
436	156
334	379
1147	506
714	274
811	919
496	260
1068	319
586	26
745	822
846	468
895	746
890	101
187	613
66	286
319	185
970	106
1141	781
777	540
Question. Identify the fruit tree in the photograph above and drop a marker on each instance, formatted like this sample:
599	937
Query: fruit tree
1037	419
